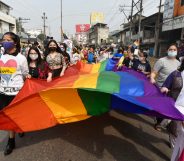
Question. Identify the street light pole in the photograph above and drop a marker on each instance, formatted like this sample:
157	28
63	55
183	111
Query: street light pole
44	26
140	19
157	32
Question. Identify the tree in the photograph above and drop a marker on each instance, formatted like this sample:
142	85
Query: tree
41	37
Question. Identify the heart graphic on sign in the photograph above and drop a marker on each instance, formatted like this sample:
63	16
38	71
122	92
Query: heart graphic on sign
7	69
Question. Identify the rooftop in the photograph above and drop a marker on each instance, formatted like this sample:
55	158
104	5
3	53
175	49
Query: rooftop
5	4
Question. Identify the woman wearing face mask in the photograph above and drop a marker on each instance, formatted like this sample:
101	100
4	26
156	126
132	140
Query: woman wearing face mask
37	67
14	69
55	59
165	66
161	70
63	47
75	56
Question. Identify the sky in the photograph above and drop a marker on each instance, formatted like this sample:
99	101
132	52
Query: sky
74	12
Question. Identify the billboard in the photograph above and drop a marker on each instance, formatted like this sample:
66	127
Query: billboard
178	7
97	17
168	9
82	28
173	17
81	38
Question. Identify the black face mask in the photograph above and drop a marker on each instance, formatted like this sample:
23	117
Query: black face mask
52	49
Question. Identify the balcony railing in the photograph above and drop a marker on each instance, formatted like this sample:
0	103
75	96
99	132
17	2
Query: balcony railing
7	18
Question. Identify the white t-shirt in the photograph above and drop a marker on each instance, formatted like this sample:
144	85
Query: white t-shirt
13	70
75	58
104	56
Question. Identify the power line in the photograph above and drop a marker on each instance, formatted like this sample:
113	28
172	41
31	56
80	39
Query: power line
117	1
28	10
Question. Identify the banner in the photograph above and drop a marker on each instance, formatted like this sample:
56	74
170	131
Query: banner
82	28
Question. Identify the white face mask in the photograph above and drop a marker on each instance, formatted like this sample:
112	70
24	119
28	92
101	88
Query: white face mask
62	49
141	58
172	53
33	56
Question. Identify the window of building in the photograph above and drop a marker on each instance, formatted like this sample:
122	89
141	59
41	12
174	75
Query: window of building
182	2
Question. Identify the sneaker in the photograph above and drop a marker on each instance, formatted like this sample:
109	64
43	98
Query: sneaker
10	146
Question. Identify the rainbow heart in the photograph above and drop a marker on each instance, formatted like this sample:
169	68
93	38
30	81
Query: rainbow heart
7	69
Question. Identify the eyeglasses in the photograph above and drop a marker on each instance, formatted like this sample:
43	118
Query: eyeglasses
33	53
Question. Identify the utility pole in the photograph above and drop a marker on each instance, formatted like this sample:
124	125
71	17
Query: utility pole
62	37
126	16
157	32
44	26
131	15
140	18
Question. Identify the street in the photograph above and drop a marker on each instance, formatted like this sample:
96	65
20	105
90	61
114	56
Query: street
111	137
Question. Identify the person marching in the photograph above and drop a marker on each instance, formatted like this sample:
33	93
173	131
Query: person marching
13	71
38	68
161	70
55	59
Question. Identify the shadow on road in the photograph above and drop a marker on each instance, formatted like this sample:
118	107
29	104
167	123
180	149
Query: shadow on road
90	136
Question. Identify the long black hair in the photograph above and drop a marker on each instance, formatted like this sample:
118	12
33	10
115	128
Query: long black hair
16	40
64	45
65	54
47	50
39	60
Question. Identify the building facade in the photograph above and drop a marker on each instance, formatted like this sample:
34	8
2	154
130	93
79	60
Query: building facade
98	34
173	21
130	33
7	22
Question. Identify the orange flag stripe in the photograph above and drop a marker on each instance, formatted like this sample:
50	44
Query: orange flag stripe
65	105
24	112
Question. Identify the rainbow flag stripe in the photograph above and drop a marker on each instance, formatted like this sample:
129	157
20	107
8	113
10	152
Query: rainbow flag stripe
84	91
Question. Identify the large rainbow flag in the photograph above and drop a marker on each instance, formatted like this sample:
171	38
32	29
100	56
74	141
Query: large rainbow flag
84	91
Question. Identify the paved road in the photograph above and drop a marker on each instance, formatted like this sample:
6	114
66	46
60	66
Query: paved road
111	137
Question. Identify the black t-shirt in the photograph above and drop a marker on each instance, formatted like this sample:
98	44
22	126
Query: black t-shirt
143	67
128	62
33	72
